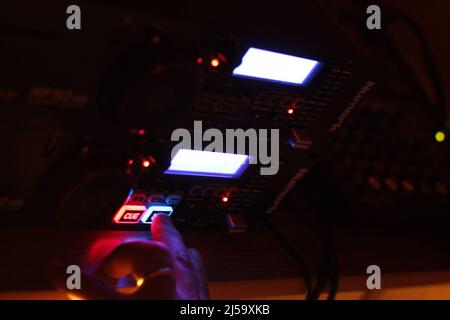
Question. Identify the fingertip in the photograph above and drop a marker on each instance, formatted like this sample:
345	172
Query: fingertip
161	218
160	222
164	231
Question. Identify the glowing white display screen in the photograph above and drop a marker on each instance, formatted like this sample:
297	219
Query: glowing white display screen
206	163
269	65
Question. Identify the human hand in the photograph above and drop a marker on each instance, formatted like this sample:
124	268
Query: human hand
164	269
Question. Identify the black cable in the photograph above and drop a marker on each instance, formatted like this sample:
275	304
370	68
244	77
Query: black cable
428	60
304	270
330	259
334	282
329	271
351	11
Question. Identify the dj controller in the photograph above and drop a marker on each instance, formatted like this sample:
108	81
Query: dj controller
177	109
88	117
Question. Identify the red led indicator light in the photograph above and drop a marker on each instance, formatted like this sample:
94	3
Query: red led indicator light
290	111
148	161
129	214
199	60
130	162
225	199
215	62
140	132
146	164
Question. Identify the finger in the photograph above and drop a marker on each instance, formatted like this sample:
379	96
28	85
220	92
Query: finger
162	287
137	258
91	287
165	232
200	273
187	288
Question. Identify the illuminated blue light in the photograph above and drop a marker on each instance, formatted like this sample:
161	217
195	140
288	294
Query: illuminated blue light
207	163
152	210
269	65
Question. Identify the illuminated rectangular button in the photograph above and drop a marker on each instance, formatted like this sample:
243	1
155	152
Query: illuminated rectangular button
129	214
